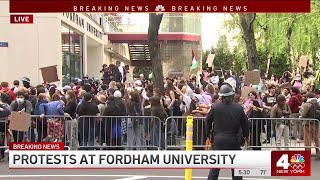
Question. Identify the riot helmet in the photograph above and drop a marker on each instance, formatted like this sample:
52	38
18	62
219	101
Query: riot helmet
26	82
226	90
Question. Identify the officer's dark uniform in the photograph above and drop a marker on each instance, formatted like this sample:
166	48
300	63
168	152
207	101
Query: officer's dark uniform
227	119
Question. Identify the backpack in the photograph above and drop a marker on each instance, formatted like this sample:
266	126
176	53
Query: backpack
313	112
5	113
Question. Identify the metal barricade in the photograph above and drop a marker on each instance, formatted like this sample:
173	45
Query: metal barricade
284	133
40	129
47	129
175	133
120	132
3	136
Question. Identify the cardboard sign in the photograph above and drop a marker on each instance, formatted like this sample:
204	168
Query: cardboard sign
285	85
210	60
19	121
252	77
303	61
245	91
175	74
50	74
186	73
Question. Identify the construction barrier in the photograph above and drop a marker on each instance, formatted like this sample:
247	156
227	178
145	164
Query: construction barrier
175	133
284	133
120	132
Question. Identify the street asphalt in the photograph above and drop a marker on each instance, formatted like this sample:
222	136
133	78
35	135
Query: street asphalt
28	174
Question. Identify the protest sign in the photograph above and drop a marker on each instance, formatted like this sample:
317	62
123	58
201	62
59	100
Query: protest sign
252	77
49	74
19	121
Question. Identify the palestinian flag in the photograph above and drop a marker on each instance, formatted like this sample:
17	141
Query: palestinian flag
195	62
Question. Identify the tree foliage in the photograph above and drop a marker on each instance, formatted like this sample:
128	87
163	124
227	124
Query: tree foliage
146	71
224	58
281	38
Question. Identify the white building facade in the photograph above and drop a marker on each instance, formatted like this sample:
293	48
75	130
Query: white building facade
74	42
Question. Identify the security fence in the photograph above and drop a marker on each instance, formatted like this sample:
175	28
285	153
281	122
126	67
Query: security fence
151	133
175	133
284	133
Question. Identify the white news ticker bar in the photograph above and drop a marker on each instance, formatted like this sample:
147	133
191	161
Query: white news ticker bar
253	172
153	159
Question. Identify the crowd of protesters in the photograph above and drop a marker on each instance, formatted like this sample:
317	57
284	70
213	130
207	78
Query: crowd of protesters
291	96
119	94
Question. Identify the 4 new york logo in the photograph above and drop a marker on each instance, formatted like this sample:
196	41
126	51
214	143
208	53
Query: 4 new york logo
295	166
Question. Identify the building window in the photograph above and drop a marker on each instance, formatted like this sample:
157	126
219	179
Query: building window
72	59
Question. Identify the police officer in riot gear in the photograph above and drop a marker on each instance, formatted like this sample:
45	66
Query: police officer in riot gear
26	82
230	126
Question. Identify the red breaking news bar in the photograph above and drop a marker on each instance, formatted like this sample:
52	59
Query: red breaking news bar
31	146
139	6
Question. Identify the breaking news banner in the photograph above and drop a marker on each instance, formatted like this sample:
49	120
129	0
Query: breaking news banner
139	6
245	163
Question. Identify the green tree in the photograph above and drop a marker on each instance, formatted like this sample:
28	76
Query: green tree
223	56
142	70
246	22
154	48
204	58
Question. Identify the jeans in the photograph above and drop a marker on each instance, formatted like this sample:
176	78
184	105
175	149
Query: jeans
157	137
282	129
18	136
135	133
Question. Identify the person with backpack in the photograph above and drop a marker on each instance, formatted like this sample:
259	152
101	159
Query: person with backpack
6	89
135	125
281	110
87	125
256	126
310	110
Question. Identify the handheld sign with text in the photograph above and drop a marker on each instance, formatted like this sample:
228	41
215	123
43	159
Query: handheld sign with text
303	61
252	77
49	74
19	121
210	60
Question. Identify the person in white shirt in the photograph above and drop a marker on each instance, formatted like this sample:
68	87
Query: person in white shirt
16	84
214	79
230	80
121	71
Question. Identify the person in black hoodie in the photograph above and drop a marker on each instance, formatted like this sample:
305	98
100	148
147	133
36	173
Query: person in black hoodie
111	126
135	125
71	105
87	125
256	126
158	128
70	110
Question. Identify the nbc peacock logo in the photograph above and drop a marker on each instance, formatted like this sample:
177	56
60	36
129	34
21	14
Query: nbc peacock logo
297	164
